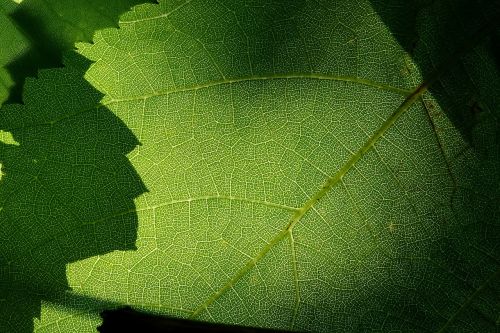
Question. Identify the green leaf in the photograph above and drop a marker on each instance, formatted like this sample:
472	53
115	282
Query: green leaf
311	166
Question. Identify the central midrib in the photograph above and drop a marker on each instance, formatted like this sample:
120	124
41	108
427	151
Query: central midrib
329	184
299	212
337	177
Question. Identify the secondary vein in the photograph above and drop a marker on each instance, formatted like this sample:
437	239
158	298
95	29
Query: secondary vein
469	301
169	203
111	101
336	178
330	183
282	76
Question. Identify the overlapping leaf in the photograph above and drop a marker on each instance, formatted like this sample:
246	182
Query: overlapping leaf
35	34
13	44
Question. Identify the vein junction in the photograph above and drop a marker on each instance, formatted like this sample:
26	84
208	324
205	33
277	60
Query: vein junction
330	183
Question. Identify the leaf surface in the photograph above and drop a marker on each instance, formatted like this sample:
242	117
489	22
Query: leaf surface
300	175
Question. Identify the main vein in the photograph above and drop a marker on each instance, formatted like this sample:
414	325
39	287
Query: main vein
329	184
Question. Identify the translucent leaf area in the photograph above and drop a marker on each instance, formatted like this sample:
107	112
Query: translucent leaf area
323	166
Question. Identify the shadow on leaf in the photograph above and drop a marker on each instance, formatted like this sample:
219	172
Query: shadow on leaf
441	32
67	191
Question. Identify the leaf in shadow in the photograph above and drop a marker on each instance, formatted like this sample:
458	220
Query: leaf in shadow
52	27
463	102
432	32
403	238
67	191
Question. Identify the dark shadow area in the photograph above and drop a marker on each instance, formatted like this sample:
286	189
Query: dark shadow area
129	320
12	45
53	27
459	40
442	32
118	317
67	190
